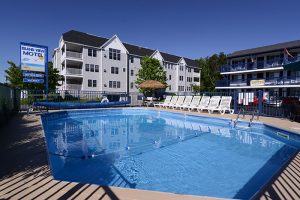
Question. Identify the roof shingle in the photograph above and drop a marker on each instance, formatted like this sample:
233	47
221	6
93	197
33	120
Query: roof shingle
266	49
96	41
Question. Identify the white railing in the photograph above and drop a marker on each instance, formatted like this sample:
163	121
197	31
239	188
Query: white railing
74	71
71	54
73	87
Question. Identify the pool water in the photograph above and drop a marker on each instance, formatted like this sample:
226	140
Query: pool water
164	151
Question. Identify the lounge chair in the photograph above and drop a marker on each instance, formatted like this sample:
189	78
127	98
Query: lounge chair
202	104
187	102
224	106
172	102
193	105
166	102
213	103
180	102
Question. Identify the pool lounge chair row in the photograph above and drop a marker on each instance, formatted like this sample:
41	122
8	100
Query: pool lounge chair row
211	104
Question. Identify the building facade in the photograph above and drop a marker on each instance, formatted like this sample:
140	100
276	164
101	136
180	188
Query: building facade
92	63
262	69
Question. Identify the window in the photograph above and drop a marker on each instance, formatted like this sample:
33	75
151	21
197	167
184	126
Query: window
114	84
124	69
114	54
180	88
114	70
131	72
131	59
180	78
131	85
196	70
196	79
170	77
89	83
87	67
92	52
170	87
96	68
181	67
94	83
92	69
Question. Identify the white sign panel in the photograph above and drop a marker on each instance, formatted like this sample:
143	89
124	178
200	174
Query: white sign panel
33	57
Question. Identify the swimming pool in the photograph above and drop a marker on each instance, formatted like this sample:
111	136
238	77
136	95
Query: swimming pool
165	151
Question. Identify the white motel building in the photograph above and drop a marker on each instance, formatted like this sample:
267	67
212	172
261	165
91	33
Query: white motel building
92	63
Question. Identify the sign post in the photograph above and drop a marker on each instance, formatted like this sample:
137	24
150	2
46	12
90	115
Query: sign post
34	62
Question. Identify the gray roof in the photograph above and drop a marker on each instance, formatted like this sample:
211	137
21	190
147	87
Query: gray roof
84	38
266	49
96	41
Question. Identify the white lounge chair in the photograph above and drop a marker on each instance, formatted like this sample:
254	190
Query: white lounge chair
213	103
180	101
224	106
187	102
194	104
202	104
166	102
172	102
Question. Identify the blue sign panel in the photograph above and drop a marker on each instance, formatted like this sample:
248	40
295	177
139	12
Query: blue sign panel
33	57
33	80
34	75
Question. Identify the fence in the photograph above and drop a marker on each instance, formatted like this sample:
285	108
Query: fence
74	96
9	102
272	103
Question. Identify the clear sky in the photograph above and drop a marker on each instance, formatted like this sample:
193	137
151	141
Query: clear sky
191	28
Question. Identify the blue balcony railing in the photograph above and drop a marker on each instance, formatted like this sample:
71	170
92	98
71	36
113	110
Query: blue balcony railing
265	64
292	80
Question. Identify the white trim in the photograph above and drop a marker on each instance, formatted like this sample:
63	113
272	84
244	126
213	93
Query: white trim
83	45
112	39
263	86
253	70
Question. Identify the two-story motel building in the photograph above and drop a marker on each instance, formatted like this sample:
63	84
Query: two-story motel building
92	63
262	69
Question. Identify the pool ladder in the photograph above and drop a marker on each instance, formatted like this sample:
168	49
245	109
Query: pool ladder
254	113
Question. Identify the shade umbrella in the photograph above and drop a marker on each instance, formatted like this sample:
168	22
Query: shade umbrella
152	84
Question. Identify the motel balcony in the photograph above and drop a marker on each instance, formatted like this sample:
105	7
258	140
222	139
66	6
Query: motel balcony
73	83
72	55
72	68
280	81
265	64
73	86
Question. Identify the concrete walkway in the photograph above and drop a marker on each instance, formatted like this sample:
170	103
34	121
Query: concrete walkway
25	174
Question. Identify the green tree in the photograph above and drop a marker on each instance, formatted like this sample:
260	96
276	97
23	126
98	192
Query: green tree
210	67
15	78
150	70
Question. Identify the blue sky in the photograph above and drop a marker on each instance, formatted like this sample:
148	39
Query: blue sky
189	28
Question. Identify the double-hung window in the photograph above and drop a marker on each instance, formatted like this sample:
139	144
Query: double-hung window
114	70
92	52
114	54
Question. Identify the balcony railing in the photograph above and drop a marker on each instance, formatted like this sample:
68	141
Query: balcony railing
271	63
73	86
72	54
73	71
293	80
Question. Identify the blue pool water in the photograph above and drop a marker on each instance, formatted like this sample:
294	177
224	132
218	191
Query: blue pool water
164	151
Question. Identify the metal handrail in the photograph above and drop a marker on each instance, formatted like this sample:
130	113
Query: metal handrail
238	116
